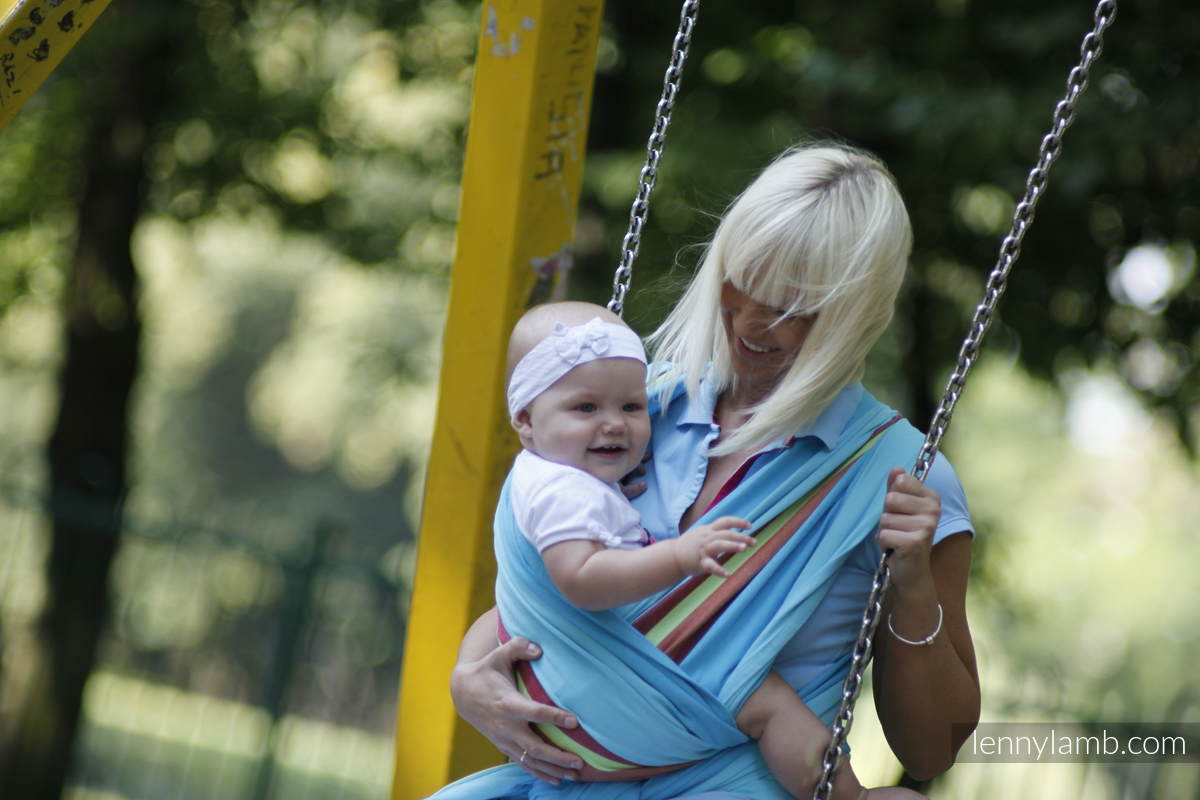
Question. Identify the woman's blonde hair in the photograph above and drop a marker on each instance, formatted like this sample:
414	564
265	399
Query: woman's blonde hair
822	230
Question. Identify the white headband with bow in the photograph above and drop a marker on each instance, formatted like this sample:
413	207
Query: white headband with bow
564	349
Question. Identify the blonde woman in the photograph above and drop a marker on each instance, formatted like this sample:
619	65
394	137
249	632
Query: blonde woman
758	407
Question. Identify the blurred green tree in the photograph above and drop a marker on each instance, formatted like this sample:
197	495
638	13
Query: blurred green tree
180	111
87	451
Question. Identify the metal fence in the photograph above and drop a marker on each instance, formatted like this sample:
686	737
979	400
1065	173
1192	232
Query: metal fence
253	663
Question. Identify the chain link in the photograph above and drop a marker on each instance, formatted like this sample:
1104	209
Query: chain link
1010	250
654	148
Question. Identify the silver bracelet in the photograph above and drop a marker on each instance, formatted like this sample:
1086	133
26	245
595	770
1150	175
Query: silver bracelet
928	640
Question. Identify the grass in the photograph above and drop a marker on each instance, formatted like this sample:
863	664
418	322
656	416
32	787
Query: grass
142	740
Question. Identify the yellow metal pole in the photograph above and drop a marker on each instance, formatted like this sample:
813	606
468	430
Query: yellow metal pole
34	37
520	191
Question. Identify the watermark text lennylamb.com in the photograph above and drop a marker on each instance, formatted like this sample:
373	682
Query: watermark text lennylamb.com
1049	742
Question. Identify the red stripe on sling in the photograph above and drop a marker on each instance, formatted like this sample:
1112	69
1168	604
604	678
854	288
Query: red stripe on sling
680	640
654	615
631	771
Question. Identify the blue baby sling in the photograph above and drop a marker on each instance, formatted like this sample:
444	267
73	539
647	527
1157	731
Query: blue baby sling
647	707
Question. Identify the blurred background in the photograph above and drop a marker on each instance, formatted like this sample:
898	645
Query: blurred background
225	238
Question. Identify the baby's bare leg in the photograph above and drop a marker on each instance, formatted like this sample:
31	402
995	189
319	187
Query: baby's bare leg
792	739
847	787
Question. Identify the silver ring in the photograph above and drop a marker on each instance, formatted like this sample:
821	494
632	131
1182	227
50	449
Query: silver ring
521	760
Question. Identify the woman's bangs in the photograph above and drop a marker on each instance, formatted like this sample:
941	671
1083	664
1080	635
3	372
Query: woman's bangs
769	275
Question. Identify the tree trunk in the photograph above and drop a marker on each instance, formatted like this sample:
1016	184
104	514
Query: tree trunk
88	448
918	358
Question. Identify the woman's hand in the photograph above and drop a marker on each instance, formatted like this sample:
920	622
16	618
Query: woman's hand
486	697
631	485
910	514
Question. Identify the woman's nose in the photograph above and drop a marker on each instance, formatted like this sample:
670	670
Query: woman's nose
749	321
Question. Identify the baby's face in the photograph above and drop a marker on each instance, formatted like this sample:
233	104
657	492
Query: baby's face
593	418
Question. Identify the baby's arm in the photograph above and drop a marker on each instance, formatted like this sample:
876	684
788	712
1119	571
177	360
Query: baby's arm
595	578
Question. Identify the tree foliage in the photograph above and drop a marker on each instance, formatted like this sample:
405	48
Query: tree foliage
955	97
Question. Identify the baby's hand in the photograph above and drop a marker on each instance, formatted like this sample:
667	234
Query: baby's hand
696	551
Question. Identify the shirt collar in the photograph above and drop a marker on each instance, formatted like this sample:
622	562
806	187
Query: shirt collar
699	410
827	427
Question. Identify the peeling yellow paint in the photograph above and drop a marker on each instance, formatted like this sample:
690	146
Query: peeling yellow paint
34	38
501	47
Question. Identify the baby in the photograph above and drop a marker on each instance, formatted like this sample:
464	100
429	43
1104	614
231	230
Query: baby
577	399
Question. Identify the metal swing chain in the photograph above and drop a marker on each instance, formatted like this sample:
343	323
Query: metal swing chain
1010	250
654	148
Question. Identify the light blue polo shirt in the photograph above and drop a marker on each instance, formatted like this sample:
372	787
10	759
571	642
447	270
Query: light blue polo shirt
679	444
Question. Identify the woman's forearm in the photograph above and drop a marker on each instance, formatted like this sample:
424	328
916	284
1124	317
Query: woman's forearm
928	696
480	639
928	702
486	697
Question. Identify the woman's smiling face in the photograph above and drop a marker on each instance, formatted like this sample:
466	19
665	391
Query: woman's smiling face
763	340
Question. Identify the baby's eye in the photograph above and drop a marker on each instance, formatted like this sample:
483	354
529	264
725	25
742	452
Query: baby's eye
631	408
586	408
